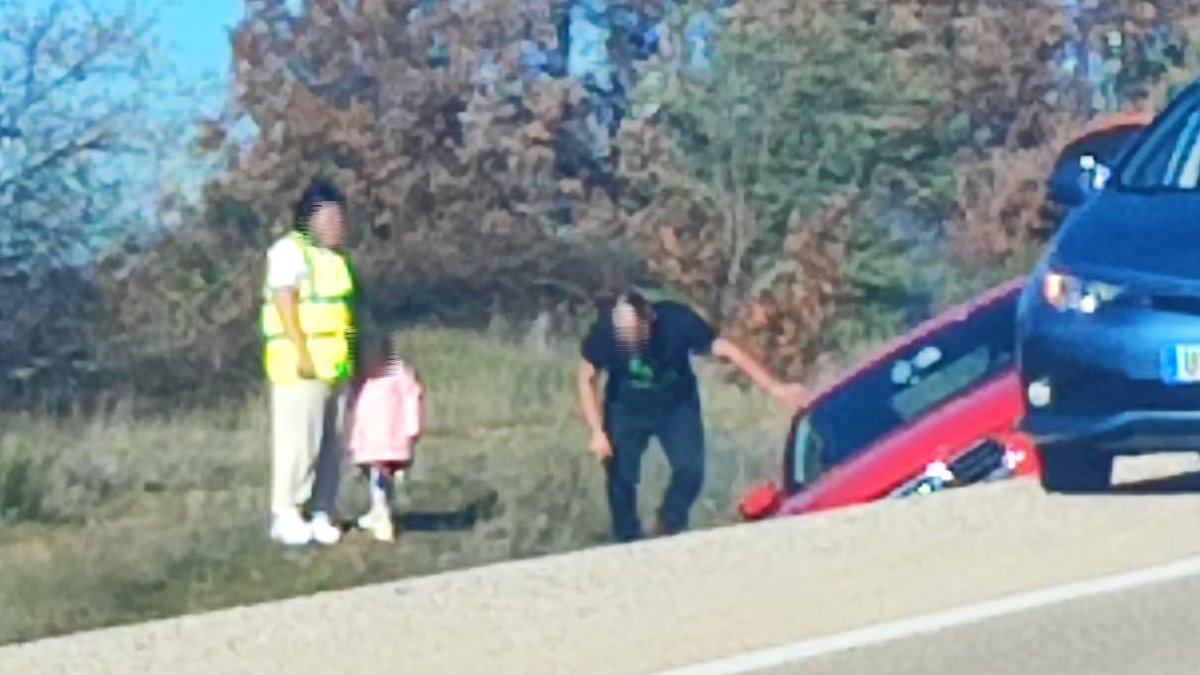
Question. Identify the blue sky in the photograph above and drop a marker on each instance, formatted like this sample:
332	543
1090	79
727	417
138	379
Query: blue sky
195	34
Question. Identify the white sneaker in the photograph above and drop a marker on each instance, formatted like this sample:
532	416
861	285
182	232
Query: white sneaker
289	529
378	521
324	531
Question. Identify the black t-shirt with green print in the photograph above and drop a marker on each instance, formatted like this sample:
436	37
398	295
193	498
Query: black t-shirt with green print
661	374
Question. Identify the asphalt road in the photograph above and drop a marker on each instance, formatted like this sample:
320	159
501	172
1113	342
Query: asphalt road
1151	630
704	597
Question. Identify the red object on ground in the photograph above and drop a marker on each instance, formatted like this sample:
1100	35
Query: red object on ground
762	500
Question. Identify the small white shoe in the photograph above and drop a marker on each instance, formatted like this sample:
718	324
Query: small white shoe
367	520
288	528
324	531
378	521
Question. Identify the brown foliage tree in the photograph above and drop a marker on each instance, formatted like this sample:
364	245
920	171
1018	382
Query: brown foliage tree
182	310
1000	216
803	293
953	112
762	180
422	114
806	194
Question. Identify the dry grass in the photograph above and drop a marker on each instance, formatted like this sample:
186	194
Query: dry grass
113	520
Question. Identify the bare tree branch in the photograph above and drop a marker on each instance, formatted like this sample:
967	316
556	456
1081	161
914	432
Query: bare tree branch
82	68
34	46
95	137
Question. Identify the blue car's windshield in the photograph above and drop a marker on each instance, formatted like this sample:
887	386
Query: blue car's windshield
1166	157
921	378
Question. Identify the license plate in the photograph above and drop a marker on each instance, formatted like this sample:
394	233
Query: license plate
1181	364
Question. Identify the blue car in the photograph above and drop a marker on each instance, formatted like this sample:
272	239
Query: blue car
1108	329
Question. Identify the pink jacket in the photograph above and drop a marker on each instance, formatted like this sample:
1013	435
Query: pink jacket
388	416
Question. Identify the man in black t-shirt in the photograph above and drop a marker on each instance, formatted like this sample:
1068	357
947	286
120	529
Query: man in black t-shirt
645	350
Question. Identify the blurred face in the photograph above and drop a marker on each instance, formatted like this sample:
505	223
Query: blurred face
327	226
632	331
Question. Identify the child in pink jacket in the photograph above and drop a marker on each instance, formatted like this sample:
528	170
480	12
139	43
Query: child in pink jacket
386	418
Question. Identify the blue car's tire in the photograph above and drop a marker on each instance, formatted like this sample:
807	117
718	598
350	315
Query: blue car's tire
1074	469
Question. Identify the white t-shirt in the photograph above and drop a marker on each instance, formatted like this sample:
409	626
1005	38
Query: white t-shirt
286	267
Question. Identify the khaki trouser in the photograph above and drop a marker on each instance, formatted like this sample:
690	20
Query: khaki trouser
306	431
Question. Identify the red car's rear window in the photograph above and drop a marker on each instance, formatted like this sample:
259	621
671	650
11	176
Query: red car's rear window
892	393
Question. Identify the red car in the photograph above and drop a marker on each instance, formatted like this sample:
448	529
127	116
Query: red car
936	408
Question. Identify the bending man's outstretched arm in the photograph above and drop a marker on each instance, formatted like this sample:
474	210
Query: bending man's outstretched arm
791	394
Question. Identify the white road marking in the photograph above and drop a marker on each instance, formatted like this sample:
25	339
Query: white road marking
931	623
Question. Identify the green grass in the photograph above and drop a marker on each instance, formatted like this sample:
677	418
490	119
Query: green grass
117	519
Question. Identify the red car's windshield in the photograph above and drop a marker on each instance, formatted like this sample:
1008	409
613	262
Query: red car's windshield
898	390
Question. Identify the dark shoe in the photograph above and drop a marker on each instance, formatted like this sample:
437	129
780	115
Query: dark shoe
627	537
661	530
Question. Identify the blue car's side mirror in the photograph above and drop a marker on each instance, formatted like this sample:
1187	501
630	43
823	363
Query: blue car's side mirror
1073	183
1095	174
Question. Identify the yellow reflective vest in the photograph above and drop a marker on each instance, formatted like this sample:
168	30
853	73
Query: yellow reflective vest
325	304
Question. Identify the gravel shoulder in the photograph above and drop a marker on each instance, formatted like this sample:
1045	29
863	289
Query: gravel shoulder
665	603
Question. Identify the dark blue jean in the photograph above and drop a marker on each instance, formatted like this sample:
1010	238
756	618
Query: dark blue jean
680	431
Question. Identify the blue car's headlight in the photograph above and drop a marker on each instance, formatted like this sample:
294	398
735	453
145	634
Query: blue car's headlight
1068	293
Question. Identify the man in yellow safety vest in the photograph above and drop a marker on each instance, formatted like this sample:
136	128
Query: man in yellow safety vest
308	328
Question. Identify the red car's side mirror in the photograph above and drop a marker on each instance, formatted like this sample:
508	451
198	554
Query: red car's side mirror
760	502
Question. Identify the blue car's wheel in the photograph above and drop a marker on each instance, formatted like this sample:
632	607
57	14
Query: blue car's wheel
1070	468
